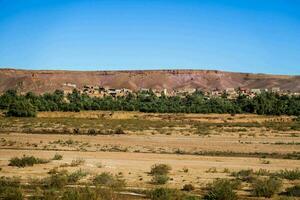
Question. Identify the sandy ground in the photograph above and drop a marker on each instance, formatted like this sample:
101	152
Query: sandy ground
135	166
212	118
187	143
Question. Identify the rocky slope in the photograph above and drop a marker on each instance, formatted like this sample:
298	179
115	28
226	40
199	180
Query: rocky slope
42	81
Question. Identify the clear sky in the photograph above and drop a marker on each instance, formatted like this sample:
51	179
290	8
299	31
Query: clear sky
260	36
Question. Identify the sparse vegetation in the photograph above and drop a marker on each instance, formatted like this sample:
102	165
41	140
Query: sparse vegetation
188	187
221	189
293	191
10	193
266	187
244	175
108	180
77	162
185	170
142	179
160	179
160	169
57	157
169	194
289	174
119	131
26	161
76	176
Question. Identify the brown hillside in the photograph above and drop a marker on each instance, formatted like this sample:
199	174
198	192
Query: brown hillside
46	81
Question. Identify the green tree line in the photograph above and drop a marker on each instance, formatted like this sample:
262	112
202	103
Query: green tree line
266	103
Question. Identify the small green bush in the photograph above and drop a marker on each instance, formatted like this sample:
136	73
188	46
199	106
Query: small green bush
293	191
9	182
266	187
107	179
76	176
185	170
166	194
188	187
160	179
57	157
221	189
92	132
244	175
11	193
26	161
104	178
77	162
119	131
160	169
57	179
9	188
80	194
289	174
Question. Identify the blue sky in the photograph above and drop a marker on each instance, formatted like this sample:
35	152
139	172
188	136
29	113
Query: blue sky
260	36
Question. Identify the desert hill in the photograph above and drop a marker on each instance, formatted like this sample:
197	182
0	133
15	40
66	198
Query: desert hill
41	81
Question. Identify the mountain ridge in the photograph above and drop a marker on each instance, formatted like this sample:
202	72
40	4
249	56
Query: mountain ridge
42	81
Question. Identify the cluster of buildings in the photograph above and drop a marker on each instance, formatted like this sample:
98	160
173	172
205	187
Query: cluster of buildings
231	93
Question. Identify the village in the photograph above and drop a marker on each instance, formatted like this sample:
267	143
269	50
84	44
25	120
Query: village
230	93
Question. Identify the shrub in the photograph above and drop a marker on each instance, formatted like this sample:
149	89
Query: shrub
61	178
289	174
103	178
76	131
9	182
244	175
221	189
160	169
77	194
160	179
21	108
50	195
77	162
185	170
57	179
262	172
11	193
105	194
107	179
211	170
26	161
57	157
293	191
92	132
266	187
9	188
166	194
76	176
119	131
188	187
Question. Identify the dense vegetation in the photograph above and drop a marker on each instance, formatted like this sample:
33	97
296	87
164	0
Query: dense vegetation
266	103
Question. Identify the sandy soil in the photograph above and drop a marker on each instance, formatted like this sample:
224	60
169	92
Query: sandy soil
211	118
168	142
134	164
137	165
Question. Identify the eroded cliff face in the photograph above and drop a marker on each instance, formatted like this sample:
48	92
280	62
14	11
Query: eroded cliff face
47	81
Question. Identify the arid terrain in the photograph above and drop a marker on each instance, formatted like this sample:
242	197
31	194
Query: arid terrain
49	80
199	148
